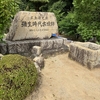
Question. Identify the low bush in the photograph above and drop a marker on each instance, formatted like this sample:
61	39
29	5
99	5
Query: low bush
18	76
88	31
68	26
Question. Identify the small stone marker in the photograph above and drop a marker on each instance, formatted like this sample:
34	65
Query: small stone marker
32	25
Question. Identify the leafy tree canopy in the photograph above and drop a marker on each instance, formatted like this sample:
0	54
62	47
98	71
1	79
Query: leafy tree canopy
87	10
7	10
87	15
32	5
42	1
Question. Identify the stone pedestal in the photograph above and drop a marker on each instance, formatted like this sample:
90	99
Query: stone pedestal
47	46
3	48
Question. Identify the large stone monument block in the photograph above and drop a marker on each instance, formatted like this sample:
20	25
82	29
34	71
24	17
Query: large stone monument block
32	25
87	54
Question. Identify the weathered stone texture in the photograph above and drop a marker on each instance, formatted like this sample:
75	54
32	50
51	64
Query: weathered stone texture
32	25
3	48
87	54
22	47
52	43
36	50
47	44
58	44
40	61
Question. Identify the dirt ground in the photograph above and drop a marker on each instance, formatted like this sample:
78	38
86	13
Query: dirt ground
64	79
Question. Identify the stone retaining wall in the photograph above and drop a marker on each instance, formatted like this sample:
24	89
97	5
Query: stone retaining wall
24	47
87	54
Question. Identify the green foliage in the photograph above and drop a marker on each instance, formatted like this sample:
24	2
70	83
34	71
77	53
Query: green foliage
57	8
68	25
18	76
26	5
87	15
1	37
32	5
39	0
88	31
87	11
67	5
7	10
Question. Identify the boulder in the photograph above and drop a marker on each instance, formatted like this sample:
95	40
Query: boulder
32	25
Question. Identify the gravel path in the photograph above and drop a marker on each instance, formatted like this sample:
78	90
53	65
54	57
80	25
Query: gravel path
64	79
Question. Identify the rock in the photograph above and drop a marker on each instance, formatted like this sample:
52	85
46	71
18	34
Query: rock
24	47
87	54
94	46
3	48
36	50
4	38
58	43
21	47
40	61
1	56
32	25
52	44
37	67
47	44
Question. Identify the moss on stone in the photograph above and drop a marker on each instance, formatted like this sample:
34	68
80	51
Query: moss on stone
18	76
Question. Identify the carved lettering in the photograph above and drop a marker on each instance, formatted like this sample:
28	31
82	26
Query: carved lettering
24	24
37	23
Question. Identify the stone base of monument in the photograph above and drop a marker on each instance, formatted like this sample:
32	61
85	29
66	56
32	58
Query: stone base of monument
87	54
53	52
48	46
3	48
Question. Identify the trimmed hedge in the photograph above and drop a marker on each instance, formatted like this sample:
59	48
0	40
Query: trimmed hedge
18	76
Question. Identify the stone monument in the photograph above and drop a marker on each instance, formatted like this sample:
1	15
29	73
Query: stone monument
32	25
34	29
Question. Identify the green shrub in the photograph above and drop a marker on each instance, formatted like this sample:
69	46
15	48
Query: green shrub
87	15
8	8
18	76
57	9
68	25
88	31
